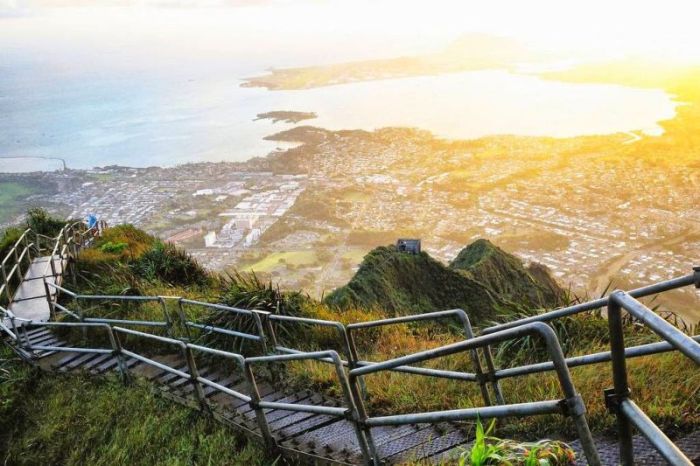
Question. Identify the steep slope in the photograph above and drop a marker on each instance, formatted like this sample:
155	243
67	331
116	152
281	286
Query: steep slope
506	276
72	420
401	283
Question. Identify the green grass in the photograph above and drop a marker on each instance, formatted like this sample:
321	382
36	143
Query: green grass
11	193
276	259
354	255
400	283
391	393
75	420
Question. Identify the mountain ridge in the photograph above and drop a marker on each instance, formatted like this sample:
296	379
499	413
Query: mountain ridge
484	280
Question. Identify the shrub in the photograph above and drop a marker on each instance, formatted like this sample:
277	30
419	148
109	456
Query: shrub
41	222
170	264
113	248
137	241
9	238
247	291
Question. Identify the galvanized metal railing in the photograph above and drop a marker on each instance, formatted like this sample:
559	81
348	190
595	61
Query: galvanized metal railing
571	405
16	263
458	314
63	247
355	411
618	398
351	371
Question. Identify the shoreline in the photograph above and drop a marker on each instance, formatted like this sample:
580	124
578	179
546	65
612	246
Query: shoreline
631	134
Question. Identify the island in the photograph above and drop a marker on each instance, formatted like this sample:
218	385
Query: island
286	116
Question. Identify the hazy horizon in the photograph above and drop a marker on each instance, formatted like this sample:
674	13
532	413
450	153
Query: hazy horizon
366	29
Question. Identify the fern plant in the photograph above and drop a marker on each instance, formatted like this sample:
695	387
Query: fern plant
488	450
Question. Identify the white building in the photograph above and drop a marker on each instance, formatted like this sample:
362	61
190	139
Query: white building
203	192
210	239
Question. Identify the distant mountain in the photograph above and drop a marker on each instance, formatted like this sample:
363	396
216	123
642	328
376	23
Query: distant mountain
483	280
470	52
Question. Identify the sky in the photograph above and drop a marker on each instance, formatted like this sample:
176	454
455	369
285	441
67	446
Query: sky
367	28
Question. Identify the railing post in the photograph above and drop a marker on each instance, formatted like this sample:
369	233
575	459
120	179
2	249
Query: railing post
621	389
183	319
261	331
64	234
194	376
47	290
476	363
362	418
54	274
368	453
255	406
271	331
572	404
79	309
14	328
18	264
117	345
352	362
8	288
166	316
492	375
6	283
266	323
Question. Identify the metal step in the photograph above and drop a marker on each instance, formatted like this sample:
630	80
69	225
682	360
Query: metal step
77	362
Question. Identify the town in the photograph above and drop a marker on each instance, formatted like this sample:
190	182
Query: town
305	217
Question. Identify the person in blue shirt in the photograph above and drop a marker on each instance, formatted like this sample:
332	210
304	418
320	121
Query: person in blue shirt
91	221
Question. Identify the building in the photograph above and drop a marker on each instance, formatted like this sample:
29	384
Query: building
210	239
411	246
184	235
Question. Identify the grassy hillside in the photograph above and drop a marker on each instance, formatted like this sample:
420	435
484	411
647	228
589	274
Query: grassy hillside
505	275
484	280
401	283
74	420
128	261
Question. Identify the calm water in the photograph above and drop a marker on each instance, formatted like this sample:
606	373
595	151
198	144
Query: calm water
157	120
164	89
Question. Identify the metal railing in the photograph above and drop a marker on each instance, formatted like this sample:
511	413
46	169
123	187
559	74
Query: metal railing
16	262
63	247
618	398
461	316
571	405
262	330
355	411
